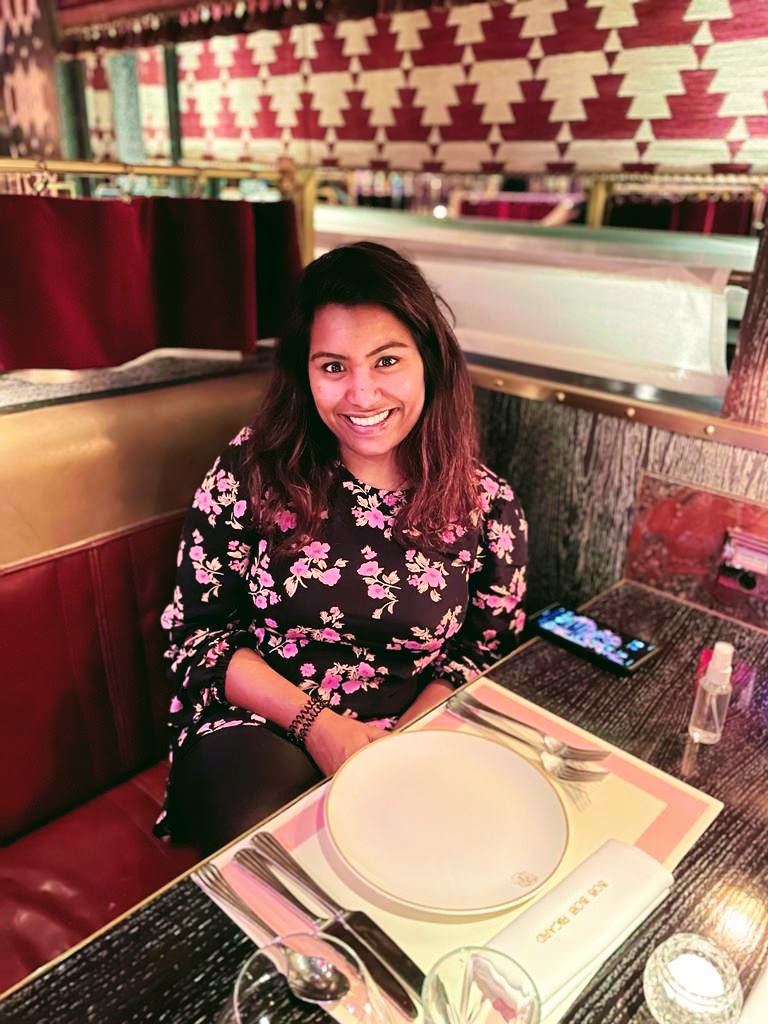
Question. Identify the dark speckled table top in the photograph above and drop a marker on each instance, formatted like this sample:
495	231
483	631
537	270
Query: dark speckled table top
31	389
175	959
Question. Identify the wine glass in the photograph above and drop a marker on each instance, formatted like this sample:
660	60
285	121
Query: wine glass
306	967
476	983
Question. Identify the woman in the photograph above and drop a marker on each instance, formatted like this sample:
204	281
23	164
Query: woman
346	561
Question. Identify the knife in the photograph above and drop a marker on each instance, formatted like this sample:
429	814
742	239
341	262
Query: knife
365	928
252	862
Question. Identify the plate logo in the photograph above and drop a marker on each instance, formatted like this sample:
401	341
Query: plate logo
524	878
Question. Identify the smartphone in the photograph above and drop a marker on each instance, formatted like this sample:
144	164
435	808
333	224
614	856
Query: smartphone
600	643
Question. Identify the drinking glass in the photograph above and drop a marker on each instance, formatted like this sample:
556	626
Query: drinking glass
478	984
306	967
688	979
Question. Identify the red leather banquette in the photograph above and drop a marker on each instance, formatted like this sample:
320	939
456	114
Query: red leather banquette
93	498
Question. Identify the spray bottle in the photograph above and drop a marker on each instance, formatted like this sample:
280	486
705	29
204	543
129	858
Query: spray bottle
712	696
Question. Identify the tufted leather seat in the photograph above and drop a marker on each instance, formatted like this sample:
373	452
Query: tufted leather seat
96	492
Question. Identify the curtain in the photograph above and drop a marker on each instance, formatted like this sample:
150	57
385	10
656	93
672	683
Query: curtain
203	255
505	209
75	287
726	215
93	283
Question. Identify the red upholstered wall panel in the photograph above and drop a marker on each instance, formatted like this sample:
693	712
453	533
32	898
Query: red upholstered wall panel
84	691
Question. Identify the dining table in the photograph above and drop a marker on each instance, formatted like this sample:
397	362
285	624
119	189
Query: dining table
175	957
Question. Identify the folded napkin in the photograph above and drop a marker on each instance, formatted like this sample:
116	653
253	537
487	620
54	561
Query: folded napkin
564	937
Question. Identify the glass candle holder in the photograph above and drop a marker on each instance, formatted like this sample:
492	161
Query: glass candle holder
690	980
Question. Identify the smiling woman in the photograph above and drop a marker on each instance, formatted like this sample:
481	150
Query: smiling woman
347	560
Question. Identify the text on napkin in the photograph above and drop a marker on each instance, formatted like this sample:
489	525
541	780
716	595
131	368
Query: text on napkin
580	904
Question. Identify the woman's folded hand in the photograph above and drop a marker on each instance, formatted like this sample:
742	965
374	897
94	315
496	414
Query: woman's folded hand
333	738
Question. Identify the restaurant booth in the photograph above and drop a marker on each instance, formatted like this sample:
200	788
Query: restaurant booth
614	314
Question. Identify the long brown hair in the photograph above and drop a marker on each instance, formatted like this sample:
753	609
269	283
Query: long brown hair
291	455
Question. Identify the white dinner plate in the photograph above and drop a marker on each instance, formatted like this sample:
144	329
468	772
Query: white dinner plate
446	821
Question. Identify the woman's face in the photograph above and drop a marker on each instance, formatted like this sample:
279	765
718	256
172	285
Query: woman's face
367	380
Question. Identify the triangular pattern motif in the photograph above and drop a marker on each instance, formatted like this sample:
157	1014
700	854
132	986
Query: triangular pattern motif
749	21
329	52
606	114
695	112
576	31
521	84
438	40
660	24
408	120
502	39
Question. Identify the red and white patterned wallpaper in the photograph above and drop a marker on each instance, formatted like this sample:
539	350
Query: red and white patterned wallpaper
153	103
99	107
521	85
27	78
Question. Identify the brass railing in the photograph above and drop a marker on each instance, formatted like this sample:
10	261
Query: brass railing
297	184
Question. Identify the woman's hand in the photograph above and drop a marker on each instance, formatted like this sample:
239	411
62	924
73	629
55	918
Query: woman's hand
432	695
333	738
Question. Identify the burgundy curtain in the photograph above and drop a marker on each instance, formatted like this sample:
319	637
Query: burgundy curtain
505	209
75	284
91	283
202	255
278	264
710	215
634	212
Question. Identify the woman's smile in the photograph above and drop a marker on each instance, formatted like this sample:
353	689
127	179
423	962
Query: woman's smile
366	421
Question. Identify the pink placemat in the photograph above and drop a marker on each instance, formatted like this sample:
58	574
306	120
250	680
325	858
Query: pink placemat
637	804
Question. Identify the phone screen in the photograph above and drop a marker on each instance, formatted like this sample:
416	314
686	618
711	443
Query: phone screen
599	642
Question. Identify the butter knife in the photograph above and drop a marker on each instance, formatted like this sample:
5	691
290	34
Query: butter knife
254	863
358	921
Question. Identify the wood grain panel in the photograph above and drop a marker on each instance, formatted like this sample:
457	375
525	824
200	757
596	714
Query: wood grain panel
747	396
719	467
577	474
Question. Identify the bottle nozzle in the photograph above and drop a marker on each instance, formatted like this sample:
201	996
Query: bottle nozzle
722	657
718	672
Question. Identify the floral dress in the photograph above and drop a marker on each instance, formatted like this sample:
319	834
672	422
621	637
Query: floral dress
354	617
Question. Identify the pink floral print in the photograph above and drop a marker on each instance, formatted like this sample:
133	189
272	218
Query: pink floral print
428	577
381	584
398	617
313	565
374	508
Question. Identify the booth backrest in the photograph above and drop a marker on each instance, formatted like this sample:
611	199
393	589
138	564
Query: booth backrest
94	496
84	695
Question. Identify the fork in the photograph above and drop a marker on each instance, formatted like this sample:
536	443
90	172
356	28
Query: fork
252	862
521	730
215	883
554	764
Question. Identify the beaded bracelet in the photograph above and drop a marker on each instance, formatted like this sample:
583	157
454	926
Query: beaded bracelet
302	723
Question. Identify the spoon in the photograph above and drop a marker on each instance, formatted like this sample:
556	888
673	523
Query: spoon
311	978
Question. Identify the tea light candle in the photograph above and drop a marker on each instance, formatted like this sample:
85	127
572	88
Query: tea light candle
694	974
690	980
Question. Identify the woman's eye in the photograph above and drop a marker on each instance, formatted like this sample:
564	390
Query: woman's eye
388	361
333	367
